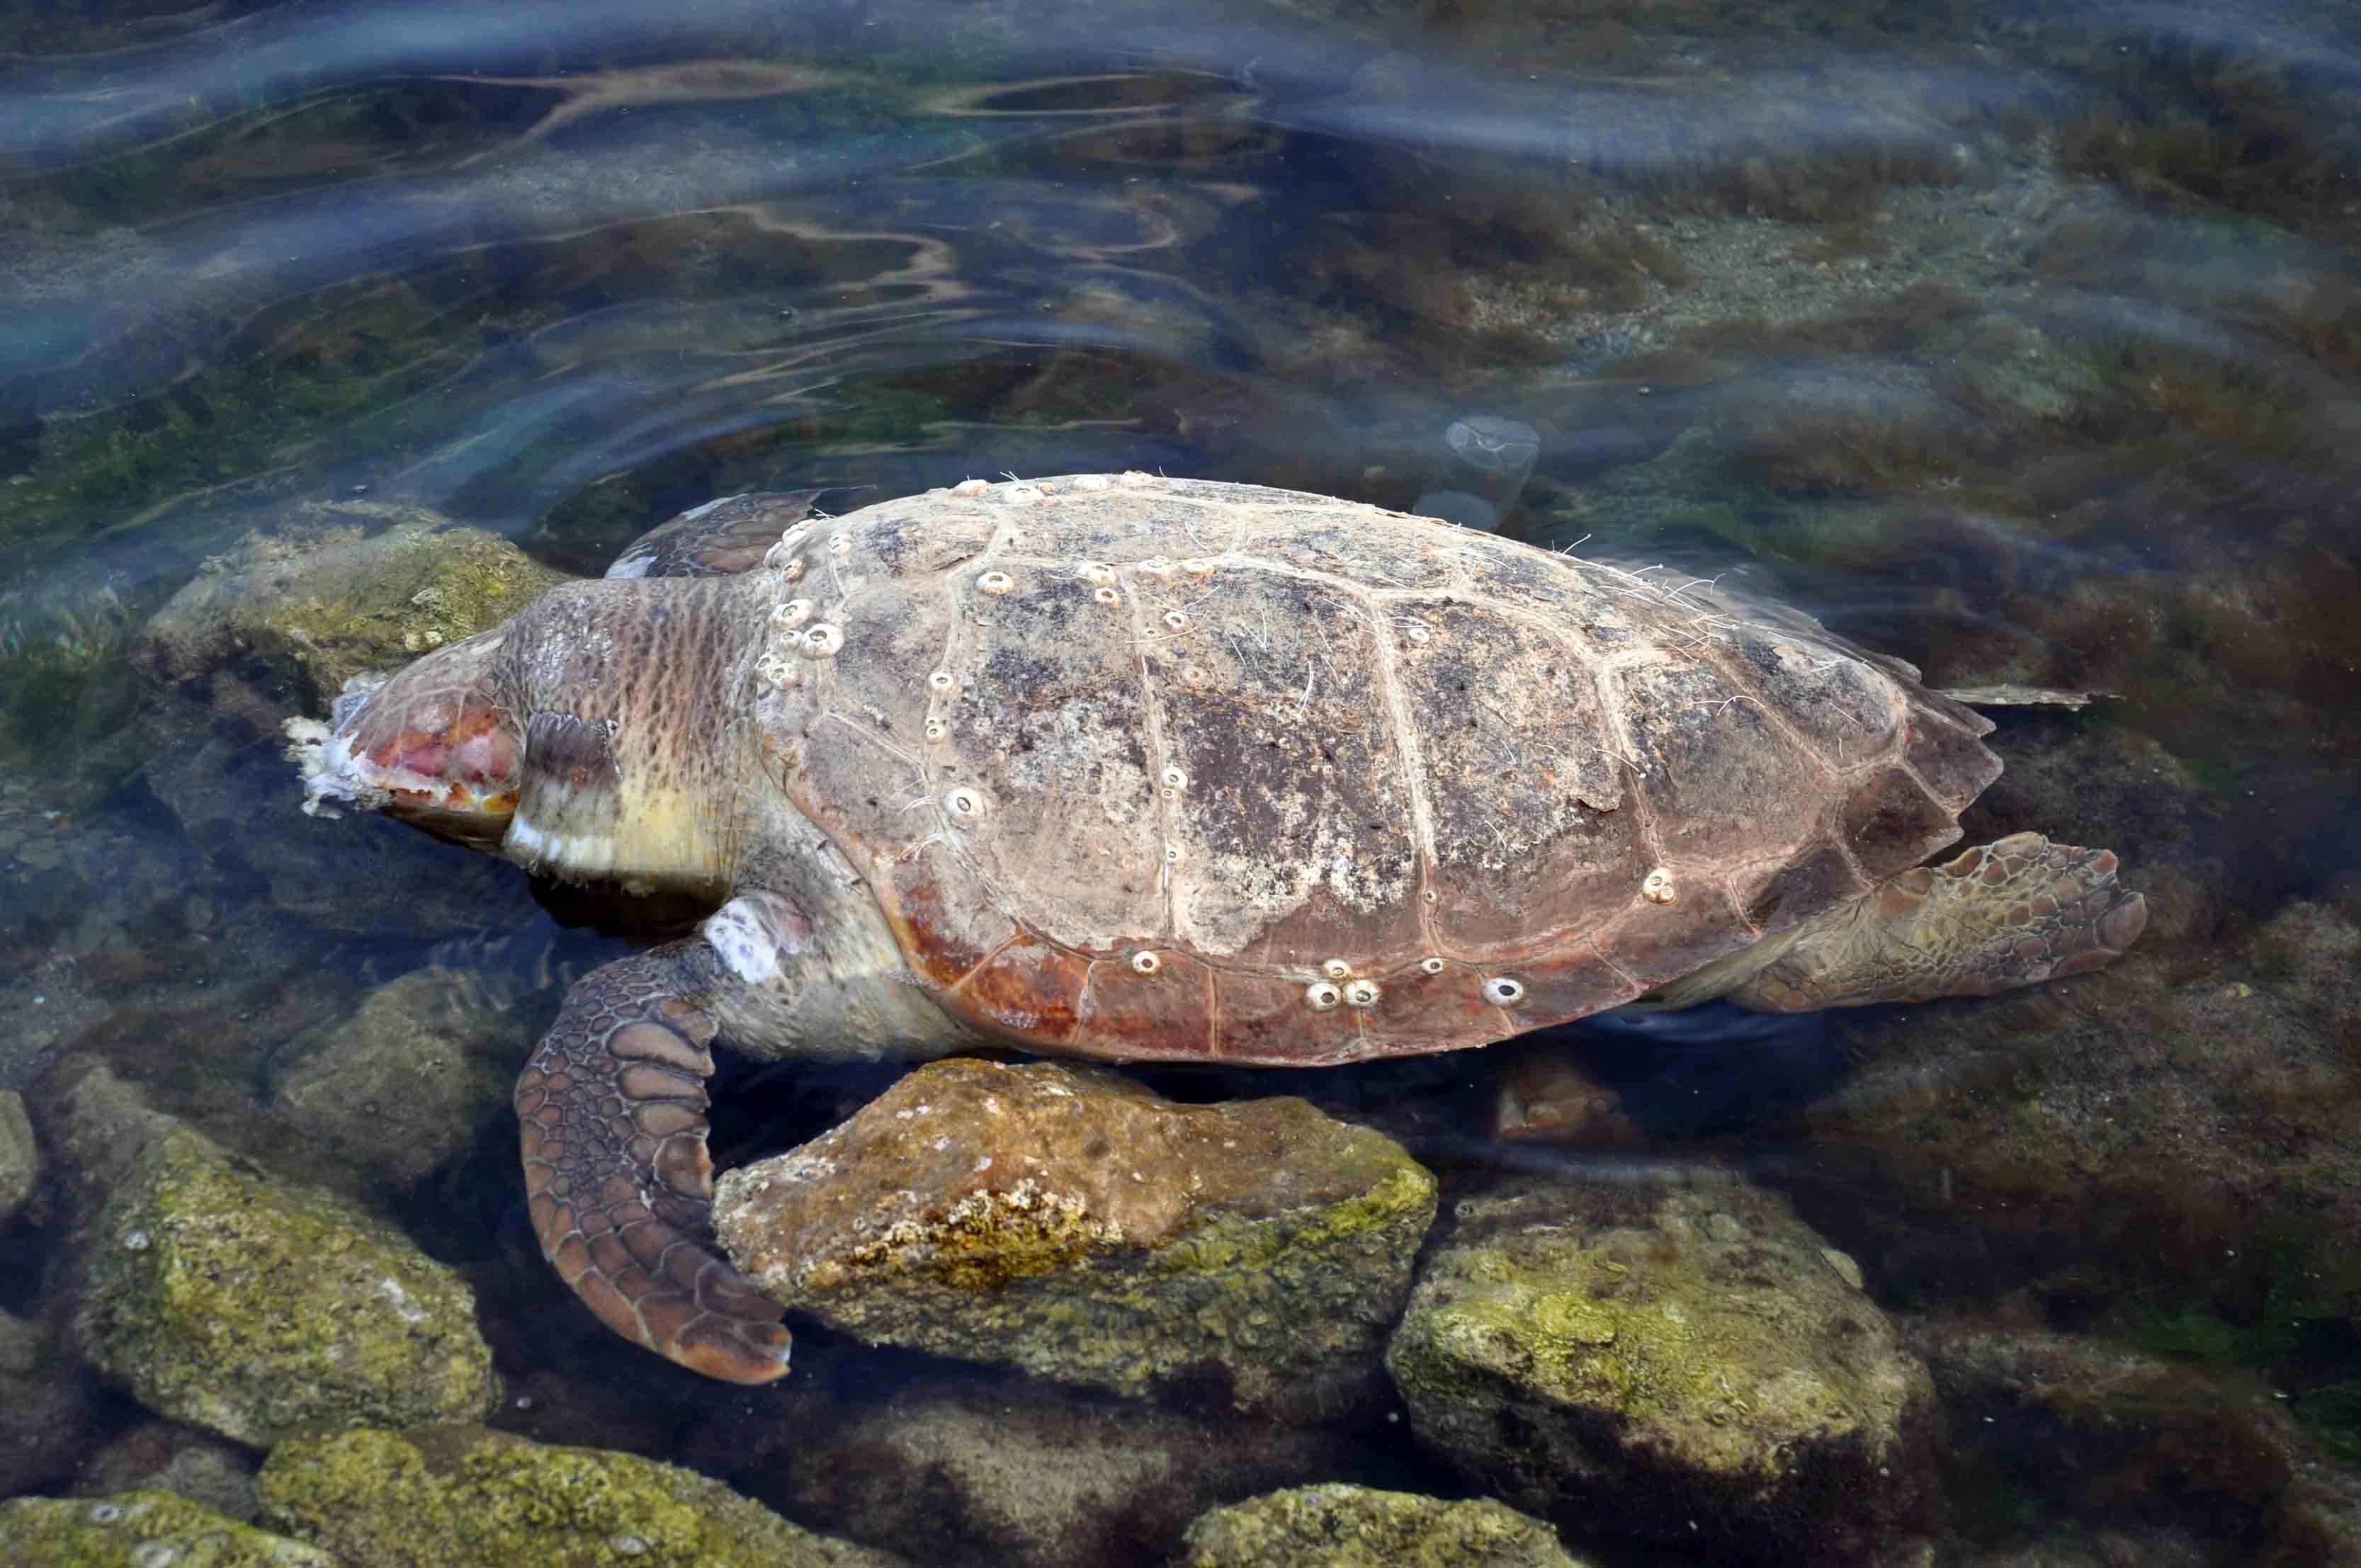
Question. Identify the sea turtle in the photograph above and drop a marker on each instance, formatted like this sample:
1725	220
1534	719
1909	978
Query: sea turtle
1143	768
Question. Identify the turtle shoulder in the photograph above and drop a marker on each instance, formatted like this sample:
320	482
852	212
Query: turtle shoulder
1141	767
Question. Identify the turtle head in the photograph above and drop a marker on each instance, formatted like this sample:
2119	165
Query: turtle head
431	745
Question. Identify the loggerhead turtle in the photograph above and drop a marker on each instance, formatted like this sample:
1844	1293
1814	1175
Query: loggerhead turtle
1140	768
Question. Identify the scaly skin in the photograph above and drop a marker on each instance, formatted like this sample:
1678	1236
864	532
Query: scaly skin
2012	913
612	1108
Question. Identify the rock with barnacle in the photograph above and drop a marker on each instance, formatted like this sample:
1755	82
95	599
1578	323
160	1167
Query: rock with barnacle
224	1298
142	1529
1691	1363
1069	1222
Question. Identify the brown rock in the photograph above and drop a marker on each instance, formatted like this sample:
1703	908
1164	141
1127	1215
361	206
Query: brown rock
1069	1222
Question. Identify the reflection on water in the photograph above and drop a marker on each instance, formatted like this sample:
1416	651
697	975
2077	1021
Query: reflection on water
2023	343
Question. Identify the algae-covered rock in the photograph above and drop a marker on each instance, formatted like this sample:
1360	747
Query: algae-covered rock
1070	1222
253	1307
401	1085
1358	1527
469	1497
342	586
1690	1363
142	1529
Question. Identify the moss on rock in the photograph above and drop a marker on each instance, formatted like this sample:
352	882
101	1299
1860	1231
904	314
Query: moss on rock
143	1529
464	1497
1069	1222
1358	1527
255	1309
1695	1354
340	587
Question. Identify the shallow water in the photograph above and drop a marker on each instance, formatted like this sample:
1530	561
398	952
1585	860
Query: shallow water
2021	342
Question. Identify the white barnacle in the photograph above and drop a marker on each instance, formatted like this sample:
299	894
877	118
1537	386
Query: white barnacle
1134	479
770	670
1107	596
1021	495
1322	996
779	556
941	681
1091	481
822	640
1502	991
793	571
1335	968
1416	631
937	730
1174	620
1430	965
792	614
1096	572
970	488
1200	566
1361	994
995	582
839	543
1157	567
1657	887
1146	962
963	803
1173	779
1172	854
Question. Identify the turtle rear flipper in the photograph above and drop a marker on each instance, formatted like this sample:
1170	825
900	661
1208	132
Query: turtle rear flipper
612	1110
2015	912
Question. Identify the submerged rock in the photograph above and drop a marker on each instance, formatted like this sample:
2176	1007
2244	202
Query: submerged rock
463	1496
144	1530
401	1085
1069	1222
165	1456
1029	1475
20	1156
2103	1434
1692	1363
2173	1136
1357	1527
48	1408
254	1308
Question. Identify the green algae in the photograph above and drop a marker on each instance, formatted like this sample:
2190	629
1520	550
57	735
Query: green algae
464	1497
1339	1526
1698	1347
427	585
256	1309
143	1529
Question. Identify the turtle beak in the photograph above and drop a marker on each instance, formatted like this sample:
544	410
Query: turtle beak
429	746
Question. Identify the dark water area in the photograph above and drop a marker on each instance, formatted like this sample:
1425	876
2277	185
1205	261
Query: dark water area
2022	343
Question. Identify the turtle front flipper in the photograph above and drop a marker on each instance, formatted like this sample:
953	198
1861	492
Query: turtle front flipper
2015	912
612	1110
720	538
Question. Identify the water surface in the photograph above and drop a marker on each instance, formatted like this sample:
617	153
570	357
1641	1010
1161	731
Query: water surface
2021	342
